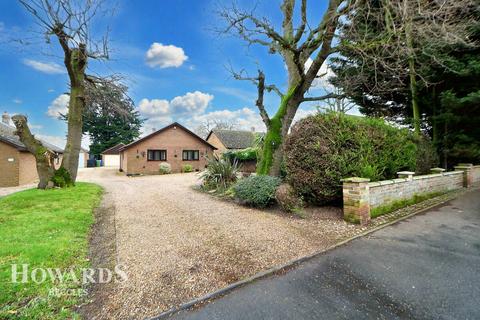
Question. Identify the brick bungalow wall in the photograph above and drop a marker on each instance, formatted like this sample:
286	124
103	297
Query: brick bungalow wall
9	170
22	170
134	159
360	195
215	141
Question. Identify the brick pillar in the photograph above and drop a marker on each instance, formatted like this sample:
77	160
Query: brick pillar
467	173
356	200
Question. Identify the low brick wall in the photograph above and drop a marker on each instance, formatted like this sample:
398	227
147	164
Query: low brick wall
476	174
360	195
384	192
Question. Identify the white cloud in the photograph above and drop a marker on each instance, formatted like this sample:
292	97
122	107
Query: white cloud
154	107
59	105
190	110
50	90
165	56
161	112
192	102
245	118
17	101
45	67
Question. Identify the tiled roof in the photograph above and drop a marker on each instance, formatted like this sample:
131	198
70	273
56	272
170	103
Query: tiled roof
175	124
235	139
114	150
7	135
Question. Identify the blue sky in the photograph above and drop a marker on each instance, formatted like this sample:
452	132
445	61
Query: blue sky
174	63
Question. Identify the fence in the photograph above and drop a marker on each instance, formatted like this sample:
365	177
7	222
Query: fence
361	197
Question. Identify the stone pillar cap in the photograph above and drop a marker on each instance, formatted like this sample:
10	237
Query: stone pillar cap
437	169
406	173
355	179
464	165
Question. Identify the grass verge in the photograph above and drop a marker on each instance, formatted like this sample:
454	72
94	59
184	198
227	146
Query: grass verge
44	229
395	205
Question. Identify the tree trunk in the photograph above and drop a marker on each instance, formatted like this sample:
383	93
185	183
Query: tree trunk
277	130
78	63
413	79
43	156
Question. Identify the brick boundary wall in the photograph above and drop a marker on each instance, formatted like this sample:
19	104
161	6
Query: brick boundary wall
360	195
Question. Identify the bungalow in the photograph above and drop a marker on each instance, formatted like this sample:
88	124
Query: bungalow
17	164
111	156
173	144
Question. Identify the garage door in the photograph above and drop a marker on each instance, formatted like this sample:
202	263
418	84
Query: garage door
81	160
111	160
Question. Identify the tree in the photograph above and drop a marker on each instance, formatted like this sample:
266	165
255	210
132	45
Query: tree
296	45
204	128
374	68
386	43
69	22
109	117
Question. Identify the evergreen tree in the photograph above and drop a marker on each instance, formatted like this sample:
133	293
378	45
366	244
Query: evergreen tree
110	117
375	74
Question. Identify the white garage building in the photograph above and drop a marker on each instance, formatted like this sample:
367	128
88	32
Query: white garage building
111	156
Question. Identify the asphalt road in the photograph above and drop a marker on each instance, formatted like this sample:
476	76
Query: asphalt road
426	267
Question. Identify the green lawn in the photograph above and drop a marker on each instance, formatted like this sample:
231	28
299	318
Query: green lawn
47	229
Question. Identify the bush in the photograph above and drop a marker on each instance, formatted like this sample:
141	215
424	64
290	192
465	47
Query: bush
220	174
257	191
325	148
187	168
62	178
288	199
165	168
242	155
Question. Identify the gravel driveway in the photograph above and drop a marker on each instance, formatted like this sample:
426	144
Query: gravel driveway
177	244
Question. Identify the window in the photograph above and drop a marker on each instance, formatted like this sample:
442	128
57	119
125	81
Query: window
189	155
157	155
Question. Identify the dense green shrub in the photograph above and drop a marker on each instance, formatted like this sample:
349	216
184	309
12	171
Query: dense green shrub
220	174
325	148
288	199
165	168
62	178
187	168
257	191
242	155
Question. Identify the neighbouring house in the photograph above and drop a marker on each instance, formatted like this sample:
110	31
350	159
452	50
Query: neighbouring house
231	140
111	156
173	144
17	164
234	140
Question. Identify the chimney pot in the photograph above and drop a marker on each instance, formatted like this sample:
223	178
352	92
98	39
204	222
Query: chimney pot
6	118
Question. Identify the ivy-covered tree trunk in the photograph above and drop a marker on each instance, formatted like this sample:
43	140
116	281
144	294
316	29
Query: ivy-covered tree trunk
43	157
277	130
304	50
76	64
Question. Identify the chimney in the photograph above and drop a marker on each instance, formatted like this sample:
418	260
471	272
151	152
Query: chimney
253	129
6	118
